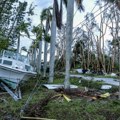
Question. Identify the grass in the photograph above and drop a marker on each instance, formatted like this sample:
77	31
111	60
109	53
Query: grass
60	109
83	110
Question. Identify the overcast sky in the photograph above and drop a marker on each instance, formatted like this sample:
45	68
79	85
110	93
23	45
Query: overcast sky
41	4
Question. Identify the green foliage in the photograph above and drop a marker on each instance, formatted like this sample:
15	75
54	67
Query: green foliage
31	10
4	43
14	18
46	14
92	84
47	38
113	89
82	110
38	31
23	27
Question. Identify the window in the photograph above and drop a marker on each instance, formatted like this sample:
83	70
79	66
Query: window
6	62
0	60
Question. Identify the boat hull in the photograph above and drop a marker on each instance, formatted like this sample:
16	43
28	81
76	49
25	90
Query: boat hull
13	77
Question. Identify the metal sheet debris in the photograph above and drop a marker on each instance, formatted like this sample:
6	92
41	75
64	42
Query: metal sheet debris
106	87
56	86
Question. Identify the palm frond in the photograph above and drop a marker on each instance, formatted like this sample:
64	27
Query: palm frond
58	13
80	5
65	2
46	13
43	14
61	10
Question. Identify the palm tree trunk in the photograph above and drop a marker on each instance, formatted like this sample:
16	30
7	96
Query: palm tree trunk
45	58
119	56
52	46
18	44
88	55
45	50
70	10
34	58
113	58
39	56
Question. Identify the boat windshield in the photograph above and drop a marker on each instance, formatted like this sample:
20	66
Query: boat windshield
22	58
10	54
16	56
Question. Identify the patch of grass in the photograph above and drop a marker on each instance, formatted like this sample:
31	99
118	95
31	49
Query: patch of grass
91	84
81	110
60	109
113	89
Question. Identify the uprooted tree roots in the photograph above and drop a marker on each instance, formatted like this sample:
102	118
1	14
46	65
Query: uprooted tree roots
38	109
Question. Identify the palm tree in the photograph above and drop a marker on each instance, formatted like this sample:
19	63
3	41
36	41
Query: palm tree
37	43
46	16
23	27
70	10
52	45
56	21
39	39
39	56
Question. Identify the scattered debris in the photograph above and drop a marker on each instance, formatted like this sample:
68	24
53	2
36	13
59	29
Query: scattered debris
86	89
67	98
105	95
16	96
78	70
113	74
56	86
36	118
90	94
62	95
106	87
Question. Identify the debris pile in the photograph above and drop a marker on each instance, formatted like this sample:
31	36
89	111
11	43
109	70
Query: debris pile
90	94
39	109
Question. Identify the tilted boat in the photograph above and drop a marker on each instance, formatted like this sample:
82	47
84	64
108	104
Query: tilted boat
14	68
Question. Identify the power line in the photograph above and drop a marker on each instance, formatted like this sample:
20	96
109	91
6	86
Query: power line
94	16
93	7
78	9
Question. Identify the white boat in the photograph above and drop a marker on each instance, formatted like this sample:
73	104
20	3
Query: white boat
14	68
